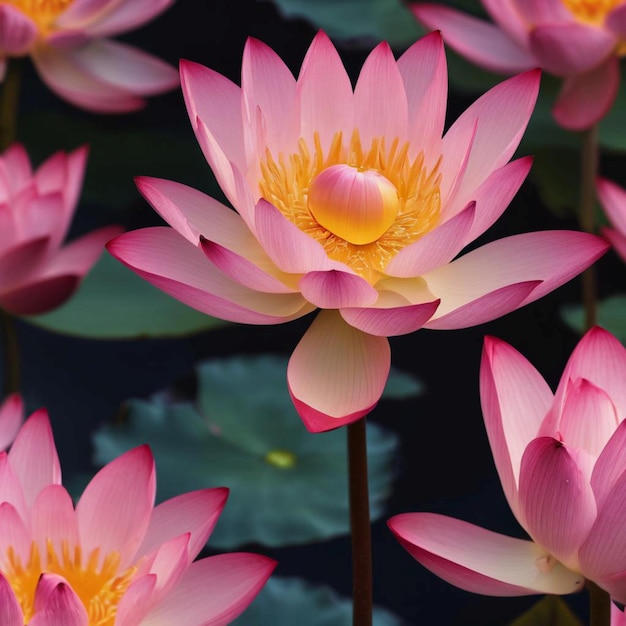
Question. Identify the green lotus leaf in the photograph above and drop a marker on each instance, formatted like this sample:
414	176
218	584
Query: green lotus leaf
611	316
549	611
288	601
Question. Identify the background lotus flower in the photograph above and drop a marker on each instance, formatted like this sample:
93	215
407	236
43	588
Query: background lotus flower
11	418
579	41
67	40
613	200
36	273
115	559
561	462
352	202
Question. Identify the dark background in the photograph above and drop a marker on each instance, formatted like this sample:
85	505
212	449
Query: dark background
444	464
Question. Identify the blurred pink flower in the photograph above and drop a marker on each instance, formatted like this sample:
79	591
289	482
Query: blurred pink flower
561	461
116	559
613	200
36	273
67	40
580	41
11	418
352	202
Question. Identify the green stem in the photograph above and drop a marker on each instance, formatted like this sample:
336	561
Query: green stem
600	605
9	99
589	170
11	362
360	525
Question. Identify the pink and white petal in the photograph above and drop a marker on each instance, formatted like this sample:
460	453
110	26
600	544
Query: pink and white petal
380	101
33	456
213	591
335	289
556	497
501	116
58	606
480	560
18	32
15	165
40	295
586	98
114	511
168	562
506	14
613	200
216	101
268	84
482	43
163	258
424	72
41	216
617	241
195	512
436	248
11	418
324	93
10	610
589	417
514	399
552	45
80	12
14	535
457	146
53	519
611	464
538	11
615	21
390	322
136	601
552	257
337	373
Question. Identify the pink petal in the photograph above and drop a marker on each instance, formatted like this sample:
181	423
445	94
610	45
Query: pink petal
615	21
613	200
556	497
482	43
11	418
168	562
17	32
14	534
380	102
213	591
324	93
506	14
53	519
479	560
114	511
336	374
20	262
537	11
10	610
136	601
586	98
81	11
335	289
15	165
61	606
617	241
514	399
39	296
166	260
390	322
609	467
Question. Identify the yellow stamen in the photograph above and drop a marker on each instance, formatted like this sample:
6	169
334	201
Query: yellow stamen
591	11
283	459
42	12
408	205
97	582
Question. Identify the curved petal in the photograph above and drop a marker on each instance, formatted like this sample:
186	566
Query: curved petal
617	241
506	14
136	601
586	98
19	262
56	604
538	11
615	21
53	519
14	534
613	200
552	45
17	32
336	374
556	497
10	610
39	296
213	591
335	289
482	43
610	466
479	560
11	418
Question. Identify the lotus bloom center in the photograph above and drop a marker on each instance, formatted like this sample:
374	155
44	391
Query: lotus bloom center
96	581
363	205
42	12
591	11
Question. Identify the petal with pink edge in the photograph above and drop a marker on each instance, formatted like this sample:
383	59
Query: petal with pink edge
613	200
611	464
10	610
482	43
213	591
337	373
17	32
479	560
11	418
616	239
56	604
53	519
335	289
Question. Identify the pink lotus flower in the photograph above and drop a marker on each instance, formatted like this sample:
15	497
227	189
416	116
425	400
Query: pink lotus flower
114	560
613	200
562	465
579	41
36	273
67	41
11	418
351	202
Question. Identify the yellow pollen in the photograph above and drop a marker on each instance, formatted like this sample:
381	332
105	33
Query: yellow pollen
362	205
97	582
283	459
591	11
42	12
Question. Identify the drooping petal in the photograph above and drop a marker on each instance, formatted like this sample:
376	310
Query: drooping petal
11	418
17	32
335	290
613	199
337	373
479	560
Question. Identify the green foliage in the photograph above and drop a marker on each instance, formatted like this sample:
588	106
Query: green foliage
611	316
549	611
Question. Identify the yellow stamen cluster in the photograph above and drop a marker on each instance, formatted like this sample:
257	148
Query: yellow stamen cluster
97	582
285	182
42	12
591	11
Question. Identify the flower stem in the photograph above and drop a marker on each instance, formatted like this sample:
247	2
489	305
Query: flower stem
11	362
360	525
589	170
9	99
600	605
